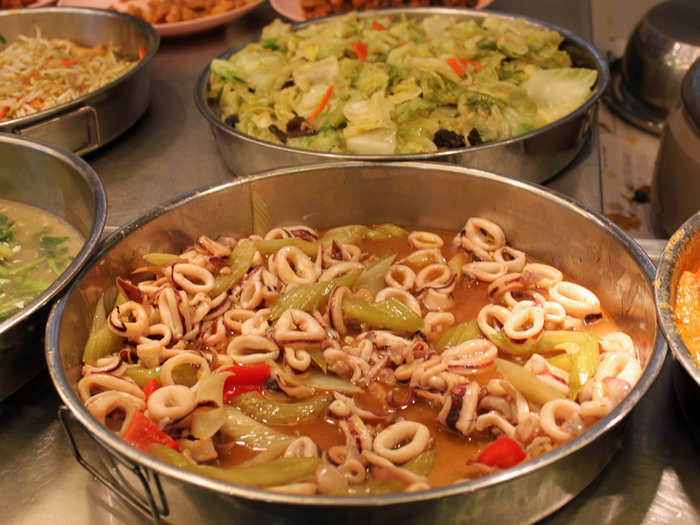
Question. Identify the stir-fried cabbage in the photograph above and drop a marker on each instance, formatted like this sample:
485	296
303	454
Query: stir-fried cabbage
398	84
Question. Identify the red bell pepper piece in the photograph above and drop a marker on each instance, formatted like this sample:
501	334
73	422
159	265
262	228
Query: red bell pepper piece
150	387
502	453
377	26
245	378
143	432
360	49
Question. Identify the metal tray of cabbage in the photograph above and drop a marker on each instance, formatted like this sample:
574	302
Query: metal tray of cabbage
427	194
92	119
528	153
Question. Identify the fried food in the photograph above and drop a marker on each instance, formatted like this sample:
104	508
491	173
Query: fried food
172	11
316	8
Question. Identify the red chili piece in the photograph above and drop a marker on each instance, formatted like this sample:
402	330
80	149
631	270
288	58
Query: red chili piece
143	432
245	378
150	387
502	453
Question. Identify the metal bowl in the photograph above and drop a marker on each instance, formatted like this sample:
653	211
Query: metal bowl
682	252
535	156
35	173
88	122
584	245
647	80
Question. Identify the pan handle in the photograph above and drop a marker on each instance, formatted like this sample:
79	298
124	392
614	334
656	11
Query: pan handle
77	131
146	503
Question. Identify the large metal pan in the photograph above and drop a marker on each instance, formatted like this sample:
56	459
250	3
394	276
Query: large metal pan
535	156
88	122
57	181
682	253
583	244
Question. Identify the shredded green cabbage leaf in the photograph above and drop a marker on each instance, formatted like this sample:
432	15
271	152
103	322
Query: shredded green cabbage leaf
383	84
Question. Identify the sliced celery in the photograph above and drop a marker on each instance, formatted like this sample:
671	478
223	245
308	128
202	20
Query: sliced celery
102	341
272	245
392	230
562	361
584	365
548	341
182	375
241	259
251	433
391	314
456	262
372	278
280	471
160	259
423	463
459	334
345	234
262	409
527	383
310	297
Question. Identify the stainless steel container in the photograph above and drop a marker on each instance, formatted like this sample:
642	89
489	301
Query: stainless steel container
675	194
57	181
682	253
548	226
662	47
88	122
535	156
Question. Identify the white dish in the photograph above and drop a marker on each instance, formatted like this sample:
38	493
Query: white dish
176	28
291	9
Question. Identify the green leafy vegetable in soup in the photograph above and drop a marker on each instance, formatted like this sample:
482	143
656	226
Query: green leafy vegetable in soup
397	84
35	248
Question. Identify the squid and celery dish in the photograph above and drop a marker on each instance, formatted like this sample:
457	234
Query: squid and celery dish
357	360
397	84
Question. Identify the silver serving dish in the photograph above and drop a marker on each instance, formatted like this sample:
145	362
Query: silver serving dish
328	194
535	156
88	122
38	174
681	253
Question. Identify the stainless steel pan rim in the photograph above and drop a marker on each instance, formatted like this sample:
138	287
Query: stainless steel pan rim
600	88
665	283
119	447
93	182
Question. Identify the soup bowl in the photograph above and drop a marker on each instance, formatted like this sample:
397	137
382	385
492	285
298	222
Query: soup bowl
682	253
35	173
429	195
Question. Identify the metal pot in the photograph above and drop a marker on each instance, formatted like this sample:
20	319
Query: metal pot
583	244
682	253
57	181
676	179
88	122
646	82
535	156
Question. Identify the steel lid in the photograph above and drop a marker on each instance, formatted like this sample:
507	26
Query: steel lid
690	92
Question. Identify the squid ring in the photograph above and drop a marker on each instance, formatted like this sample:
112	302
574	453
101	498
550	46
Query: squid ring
402	441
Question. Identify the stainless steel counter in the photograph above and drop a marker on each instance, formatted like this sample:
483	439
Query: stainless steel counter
653	479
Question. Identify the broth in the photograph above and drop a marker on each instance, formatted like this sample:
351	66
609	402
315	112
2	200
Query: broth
35	247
